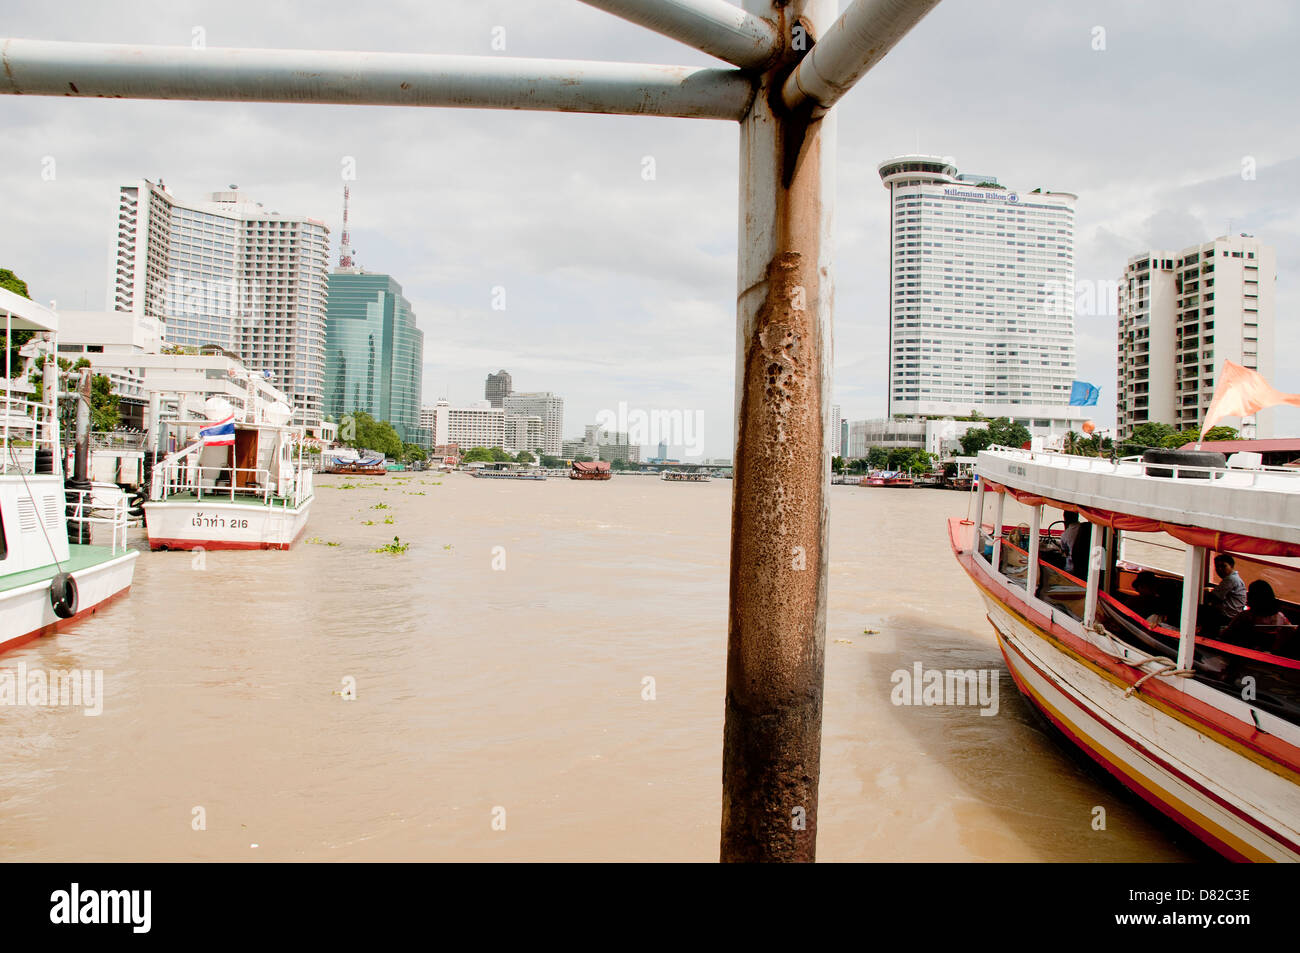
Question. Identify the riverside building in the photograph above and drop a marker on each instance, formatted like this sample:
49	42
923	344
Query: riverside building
547	406
230	273
1181	314
374	352
981	302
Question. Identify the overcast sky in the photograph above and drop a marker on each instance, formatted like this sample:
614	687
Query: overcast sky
622	289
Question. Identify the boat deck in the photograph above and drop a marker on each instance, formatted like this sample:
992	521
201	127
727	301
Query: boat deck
218	497
81	557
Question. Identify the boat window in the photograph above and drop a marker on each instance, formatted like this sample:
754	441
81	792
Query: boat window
4	538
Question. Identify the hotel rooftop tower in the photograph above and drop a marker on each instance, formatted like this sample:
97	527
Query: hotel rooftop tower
981	300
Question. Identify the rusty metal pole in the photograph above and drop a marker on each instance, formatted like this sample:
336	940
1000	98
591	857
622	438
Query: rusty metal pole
776	632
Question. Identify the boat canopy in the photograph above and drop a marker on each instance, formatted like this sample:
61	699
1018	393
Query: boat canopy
593	466
1192	535
1247	510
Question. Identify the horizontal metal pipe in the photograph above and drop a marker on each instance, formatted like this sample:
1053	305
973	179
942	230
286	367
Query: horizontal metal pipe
717	27
47	68
862	35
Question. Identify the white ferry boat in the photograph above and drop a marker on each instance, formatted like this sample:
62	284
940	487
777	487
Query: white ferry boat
239	482
1194	709
46	582
684	476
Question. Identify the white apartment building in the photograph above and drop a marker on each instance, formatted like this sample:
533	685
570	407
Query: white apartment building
524	433
475	425
547	406
228	272
837	447
981	304
1181	315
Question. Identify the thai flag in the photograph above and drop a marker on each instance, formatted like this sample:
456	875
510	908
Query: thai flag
219	434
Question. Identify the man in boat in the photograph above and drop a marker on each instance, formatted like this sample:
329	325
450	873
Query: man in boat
1153	602
1263	625
1076	543
1228	600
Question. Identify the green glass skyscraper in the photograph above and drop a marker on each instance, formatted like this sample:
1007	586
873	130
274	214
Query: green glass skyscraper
374	352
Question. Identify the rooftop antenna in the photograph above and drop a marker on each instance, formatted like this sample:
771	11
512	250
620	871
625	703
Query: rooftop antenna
345	242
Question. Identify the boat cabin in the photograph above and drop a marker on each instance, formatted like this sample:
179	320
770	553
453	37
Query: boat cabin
1199	565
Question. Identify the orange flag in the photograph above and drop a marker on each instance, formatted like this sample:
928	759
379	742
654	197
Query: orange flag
1240	393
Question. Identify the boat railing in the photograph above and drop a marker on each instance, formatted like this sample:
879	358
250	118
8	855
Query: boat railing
183	474
85	510
1235	477
24	426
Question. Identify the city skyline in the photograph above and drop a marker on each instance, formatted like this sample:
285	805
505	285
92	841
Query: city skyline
621	287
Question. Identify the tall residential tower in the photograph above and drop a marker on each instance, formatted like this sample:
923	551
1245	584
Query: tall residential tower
981	303
227	272
1181	315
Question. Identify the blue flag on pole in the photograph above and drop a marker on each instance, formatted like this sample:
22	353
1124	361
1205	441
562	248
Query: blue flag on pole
1083	394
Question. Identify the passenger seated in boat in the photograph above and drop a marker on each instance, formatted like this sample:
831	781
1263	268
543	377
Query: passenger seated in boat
1075	542
1154	602
1227	600
1263	626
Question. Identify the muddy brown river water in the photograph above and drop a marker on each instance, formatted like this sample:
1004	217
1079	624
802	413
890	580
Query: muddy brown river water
503	708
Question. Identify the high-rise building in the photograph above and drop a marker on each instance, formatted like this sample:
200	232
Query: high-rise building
524	433
836	446
1181	315
981	302
497	388
547	406
230	273
374	352
478	425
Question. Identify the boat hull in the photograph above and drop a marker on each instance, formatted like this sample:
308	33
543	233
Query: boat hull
1209	772
27	611
185	525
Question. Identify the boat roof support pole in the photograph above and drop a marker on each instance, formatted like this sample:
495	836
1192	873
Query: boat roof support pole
998	511
1193	571
1035	546
1096	559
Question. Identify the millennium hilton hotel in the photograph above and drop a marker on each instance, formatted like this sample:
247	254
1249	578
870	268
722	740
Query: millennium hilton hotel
981	303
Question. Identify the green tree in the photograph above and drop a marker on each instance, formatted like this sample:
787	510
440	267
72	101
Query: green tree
523	456
1005	433
837	464
975	440
476	455
1193	435
11	282
104	414
877	458
412	451
910	459
551	462
363	432
1145	436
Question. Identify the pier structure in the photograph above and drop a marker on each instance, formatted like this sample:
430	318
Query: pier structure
788	64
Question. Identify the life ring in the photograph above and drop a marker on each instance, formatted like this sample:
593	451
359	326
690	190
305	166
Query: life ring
1183	458
63	595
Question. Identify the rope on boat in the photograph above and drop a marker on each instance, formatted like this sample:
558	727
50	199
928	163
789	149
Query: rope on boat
1167	665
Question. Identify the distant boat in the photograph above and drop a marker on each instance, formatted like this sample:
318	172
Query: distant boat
506	471
593	470
894	478
364	462
679	476
240	483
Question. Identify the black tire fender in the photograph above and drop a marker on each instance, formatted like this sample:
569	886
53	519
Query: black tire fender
63	595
